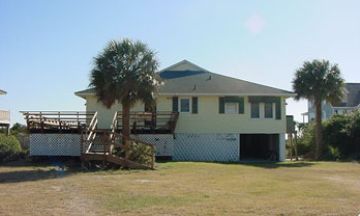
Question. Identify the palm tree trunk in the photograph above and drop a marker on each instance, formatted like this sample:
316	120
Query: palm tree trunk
126	128
295	147
318	129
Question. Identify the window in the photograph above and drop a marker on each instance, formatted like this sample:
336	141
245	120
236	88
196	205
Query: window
255	110
231	108
268	110
184	105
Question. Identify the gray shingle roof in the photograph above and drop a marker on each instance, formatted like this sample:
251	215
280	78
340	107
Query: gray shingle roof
353	94
186	78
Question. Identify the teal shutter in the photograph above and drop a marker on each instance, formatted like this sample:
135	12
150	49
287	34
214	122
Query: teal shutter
221	105
194	105
278	108
241	105
175	104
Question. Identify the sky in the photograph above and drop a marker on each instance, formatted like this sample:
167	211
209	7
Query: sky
47	47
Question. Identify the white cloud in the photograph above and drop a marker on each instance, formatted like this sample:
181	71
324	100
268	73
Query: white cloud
255	23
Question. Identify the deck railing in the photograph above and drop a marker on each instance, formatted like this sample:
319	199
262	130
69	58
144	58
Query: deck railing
161	120
57	120
4	117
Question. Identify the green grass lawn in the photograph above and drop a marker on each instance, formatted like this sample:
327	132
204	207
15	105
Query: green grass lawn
184	188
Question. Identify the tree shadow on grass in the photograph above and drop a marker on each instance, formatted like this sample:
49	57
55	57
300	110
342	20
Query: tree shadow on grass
25	171
274	165
30	175
260	164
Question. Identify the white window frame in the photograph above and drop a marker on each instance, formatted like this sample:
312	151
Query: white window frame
235	111
260	111
272	109
190	104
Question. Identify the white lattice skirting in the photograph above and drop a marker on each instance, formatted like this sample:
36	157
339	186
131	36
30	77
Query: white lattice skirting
196	147
54	144
185	147
206	147
164	143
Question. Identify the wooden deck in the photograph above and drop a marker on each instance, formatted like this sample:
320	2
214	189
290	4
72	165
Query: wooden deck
57	121
100	144
76	122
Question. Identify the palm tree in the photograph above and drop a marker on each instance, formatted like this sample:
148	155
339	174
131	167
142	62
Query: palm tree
318	81
124	72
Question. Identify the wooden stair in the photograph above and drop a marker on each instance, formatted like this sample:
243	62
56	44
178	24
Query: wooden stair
114	160
98	145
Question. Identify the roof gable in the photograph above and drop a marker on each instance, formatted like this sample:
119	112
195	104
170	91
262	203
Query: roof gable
186	78
181	69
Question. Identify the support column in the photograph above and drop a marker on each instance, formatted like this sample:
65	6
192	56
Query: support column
282	149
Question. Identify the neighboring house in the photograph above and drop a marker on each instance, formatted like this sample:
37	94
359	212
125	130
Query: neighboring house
350	102
219	118
4	116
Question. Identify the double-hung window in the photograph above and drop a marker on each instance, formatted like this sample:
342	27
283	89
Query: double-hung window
268	108
231	108
184	105
255	110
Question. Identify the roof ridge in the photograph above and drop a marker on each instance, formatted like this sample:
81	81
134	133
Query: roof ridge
182	62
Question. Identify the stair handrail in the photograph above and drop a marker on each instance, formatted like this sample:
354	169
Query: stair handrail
92	125
114	126
91	132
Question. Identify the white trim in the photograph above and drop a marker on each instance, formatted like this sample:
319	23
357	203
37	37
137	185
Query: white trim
207	94
227	94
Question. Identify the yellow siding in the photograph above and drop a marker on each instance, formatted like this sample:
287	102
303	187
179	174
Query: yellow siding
105	115
208	119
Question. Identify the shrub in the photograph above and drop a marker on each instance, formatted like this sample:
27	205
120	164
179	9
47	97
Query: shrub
306	140
9	148
140	153
341	134
342	137
336	138
137	152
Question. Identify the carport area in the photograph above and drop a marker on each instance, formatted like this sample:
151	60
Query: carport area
259	147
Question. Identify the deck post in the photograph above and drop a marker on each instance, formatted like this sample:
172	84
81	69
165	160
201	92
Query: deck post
59	120
77	119
81	142
41	123
27	121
